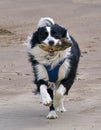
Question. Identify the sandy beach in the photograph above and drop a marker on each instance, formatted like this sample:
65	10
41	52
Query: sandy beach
20	109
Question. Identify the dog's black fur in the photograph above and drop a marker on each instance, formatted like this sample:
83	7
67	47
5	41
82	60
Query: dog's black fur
57	32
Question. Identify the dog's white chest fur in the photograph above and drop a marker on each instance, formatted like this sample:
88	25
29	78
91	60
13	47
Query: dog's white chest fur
44	59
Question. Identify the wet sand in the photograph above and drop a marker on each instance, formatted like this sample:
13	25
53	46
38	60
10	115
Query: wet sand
19	107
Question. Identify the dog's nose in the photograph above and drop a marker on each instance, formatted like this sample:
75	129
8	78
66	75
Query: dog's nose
51	42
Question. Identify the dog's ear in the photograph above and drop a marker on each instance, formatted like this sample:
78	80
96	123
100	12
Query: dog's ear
34	39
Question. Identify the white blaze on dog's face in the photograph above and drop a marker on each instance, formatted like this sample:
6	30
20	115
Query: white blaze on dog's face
50	39
51	35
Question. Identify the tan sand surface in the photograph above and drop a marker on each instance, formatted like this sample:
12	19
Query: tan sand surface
19	107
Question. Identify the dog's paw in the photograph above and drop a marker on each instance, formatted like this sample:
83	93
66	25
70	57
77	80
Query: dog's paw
61	109
44	96
52	115
46	99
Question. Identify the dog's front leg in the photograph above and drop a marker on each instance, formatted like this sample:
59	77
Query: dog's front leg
59	96
42	78
45	97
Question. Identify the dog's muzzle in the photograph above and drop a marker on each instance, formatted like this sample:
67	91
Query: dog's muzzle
60	46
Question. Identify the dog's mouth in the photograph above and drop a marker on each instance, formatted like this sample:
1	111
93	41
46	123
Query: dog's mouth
61	45
51	52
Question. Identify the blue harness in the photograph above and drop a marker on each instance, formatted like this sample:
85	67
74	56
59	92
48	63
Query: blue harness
53	73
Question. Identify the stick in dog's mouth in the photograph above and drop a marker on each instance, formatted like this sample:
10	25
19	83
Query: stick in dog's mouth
61	45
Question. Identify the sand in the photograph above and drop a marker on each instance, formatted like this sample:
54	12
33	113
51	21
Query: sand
20	109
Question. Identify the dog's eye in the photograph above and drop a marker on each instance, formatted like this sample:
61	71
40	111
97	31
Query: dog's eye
44	34
54	33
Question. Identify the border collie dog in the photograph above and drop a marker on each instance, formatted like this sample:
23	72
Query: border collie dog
54	70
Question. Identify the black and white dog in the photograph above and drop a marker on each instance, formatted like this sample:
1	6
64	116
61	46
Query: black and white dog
54	71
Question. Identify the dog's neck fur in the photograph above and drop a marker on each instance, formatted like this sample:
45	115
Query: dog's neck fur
44	58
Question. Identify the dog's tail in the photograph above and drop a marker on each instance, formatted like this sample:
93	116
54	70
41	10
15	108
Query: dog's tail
45	21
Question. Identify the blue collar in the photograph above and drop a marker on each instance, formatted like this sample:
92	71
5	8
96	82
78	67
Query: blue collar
53	73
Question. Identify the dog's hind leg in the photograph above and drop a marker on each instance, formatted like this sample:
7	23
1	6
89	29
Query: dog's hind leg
52	113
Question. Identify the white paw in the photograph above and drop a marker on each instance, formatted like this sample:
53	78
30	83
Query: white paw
45	97
61	109
52	115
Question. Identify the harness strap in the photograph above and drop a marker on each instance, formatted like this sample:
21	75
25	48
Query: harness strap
53	72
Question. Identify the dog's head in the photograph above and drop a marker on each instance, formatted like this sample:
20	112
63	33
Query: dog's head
51	38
